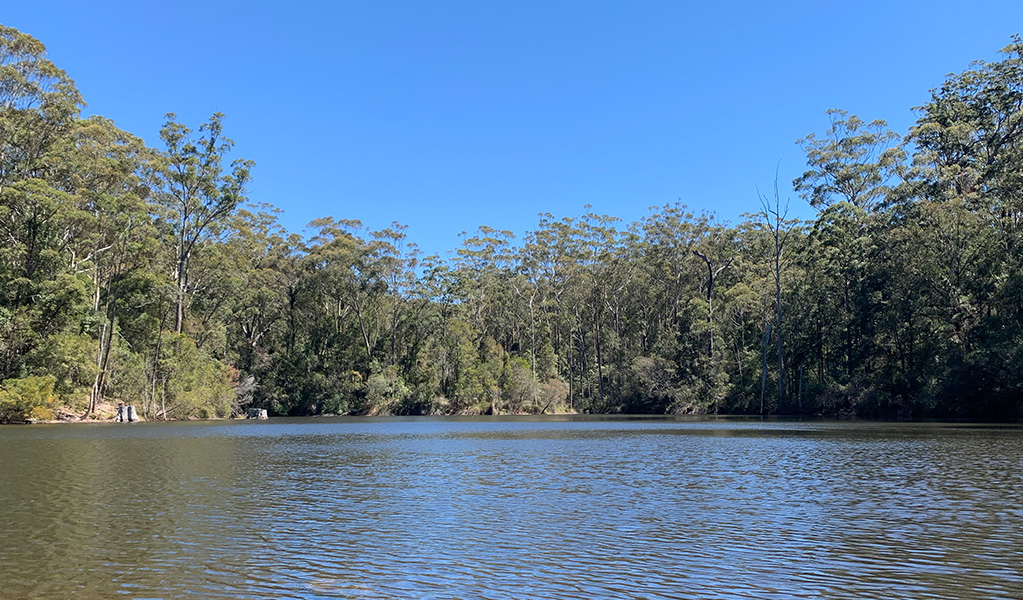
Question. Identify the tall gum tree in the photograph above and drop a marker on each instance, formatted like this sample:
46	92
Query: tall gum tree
970	141
853	161
395	260
104	172
39	107
197	192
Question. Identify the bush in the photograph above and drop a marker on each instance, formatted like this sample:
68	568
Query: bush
553	396
385	391
197	385
28	398
518	388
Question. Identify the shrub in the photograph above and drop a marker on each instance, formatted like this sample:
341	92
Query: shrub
28	398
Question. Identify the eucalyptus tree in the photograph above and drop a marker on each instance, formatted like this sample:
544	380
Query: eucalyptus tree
670	235
395	260
968	137
853	161
624	292
198	192
717	251
966	186
428	303
854	170
482	266
39	106
341	262
601	241
109	229
483	272
554	252
265	261
44	302
525	287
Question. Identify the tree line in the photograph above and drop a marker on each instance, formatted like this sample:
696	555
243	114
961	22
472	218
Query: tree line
143	275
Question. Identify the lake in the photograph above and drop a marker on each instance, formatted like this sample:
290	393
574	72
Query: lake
511	508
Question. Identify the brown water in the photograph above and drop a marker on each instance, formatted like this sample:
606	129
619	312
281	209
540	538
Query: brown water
511	508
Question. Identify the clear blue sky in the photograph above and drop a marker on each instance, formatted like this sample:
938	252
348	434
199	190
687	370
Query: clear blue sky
446	115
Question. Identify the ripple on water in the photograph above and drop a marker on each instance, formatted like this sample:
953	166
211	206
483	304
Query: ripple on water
511	509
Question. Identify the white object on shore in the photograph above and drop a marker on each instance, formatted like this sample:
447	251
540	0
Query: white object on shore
126	414
256	413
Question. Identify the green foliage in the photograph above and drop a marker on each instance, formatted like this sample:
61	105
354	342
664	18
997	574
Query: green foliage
196	386
27	398
386	392
553	396
139	275
519	389
128	381
71	361
854	162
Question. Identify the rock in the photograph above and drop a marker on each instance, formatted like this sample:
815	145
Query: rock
256	413
126	414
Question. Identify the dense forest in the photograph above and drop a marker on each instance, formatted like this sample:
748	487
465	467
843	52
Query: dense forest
143	275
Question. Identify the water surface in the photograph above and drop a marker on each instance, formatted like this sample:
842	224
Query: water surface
511	508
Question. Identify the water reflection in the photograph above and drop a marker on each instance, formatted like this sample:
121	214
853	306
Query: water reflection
567	508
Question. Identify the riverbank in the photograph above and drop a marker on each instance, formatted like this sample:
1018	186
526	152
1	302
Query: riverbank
107	413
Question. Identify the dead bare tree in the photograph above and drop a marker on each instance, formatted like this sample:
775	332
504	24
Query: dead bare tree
776	220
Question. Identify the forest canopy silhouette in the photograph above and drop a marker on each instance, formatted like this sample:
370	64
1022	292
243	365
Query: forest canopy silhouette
143	275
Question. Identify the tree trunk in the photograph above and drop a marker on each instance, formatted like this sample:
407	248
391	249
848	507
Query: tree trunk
800	393
394	331
763	367
777	291
532	338
362	325
600	362
712	274
182	271
103	358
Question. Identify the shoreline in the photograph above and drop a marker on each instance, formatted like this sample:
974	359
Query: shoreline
585	416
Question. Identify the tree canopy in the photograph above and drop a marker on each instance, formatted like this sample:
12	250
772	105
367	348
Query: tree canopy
143	275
